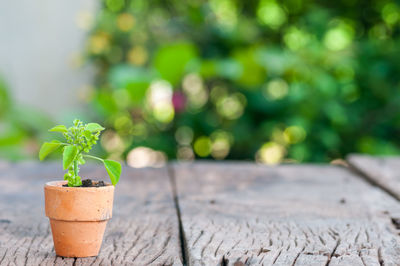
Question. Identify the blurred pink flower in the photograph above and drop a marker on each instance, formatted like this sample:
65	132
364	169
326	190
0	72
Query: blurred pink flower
178	101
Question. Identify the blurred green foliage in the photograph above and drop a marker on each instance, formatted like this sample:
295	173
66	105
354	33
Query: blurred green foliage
269	80
21	128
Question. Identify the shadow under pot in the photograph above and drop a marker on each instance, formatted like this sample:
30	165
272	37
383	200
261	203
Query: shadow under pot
78	217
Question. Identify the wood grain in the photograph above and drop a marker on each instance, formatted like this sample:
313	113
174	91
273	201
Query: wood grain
382	171
143	230
242	214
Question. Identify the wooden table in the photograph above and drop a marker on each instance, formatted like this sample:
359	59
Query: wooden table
225	213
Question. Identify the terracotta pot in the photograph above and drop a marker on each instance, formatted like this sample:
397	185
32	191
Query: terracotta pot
78	217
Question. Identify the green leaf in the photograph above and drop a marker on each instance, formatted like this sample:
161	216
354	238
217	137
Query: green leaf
94	127
69	155
113	169
59	128
48	147
171	60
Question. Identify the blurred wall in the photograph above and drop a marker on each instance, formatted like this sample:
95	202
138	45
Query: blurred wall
40	43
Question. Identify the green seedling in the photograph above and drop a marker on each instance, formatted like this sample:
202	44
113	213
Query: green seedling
80	139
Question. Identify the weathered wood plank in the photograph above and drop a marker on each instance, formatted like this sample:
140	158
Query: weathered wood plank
239	213
382	171
143	230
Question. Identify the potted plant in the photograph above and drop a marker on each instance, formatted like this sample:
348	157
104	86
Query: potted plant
78	210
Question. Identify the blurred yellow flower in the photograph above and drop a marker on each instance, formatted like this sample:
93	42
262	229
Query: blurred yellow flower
99	43
125	22
137	55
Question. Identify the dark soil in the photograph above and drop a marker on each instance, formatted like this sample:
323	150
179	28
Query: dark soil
90	183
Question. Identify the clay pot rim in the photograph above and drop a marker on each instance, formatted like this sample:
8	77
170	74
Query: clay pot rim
57	185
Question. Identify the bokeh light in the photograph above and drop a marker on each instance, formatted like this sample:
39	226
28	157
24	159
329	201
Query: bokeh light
271	81
202	146
294	134
184	135
185	153
339	37
225	13
232	106
270	153
271	13
221	144
141	157
276	89
194	88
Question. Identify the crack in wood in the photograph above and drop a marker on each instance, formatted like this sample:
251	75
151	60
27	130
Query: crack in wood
332	254
298	255
161	252
216	250
380	258
276	258
198	237
396	222
207	244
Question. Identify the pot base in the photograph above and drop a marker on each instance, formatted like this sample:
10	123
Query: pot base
77	239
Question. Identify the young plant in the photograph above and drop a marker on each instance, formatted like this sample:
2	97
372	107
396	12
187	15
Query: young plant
80	139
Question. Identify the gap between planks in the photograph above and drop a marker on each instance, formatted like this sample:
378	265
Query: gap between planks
367	178
182	238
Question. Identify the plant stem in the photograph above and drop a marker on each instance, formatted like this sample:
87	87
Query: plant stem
93	157
76	168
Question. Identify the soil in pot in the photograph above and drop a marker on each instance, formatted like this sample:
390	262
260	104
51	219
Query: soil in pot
90	183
